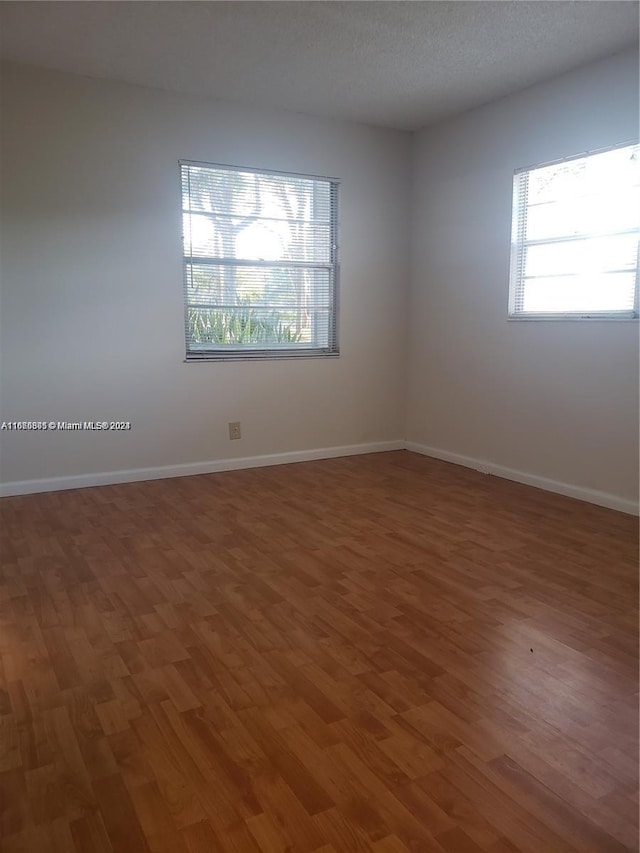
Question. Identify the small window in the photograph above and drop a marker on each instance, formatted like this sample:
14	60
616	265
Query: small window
574	245
260	263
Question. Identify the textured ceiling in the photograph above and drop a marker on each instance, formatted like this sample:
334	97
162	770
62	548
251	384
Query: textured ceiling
400	64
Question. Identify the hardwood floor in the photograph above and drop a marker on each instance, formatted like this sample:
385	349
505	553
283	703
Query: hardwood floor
380	653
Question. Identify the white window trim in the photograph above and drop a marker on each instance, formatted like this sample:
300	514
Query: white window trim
518	244
272	352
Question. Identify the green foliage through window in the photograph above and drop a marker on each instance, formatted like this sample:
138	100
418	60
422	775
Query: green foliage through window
260	262
244	326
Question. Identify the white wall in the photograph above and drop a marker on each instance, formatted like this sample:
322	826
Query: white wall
92	316
557	400
92	287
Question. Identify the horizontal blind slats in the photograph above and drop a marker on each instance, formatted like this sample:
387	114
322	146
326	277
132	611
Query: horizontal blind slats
576	226
260	261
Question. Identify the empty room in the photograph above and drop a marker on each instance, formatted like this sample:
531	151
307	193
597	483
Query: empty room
319	427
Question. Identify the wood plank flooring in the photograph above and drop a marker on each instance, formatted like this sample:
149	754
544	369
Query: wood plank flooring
381	653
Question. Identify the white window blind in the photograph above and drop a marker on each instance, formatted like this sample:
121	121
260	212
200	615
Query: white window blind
260	263
574	247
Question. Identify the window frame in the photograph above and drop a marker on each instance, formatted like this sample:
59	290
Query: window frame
518	245
269	353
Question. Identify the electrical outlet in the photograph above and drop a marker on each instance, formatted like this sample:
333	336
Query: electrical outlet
234	430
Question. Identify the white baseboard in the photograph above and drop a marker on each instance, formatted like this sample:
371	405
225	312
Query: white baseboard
134	475
589	495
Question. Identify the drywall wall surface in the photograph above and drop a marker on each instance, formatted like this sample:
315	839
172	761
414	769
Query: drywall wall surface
91	266
554	399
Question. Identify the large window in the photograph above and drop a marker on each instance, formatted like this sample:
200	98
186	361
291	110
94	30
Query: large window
574	248
260	263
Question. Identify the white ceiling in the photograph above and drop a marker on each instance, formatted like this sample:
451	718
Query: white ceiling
401	64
